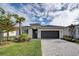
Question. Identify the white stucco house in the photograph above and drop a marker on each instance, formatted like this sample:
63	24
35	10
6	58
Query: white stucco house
38	31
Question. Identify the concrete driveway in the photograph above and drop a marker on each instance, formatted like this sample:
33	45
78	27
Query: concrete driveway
57	47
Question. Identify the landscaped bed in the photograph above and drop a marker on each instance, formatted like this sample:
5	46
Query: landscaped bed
68	38
32	48
76	41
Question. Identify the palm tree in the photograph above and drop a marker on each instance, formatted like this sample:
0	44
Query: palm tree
19	20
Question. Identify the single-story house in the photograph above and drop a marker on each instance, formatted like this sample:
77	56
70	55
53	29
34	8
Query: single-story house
38	31
44	32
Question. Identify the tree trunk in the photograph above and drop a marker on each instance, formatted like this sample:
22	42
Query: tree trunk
7	36
20	28
1	36
20	31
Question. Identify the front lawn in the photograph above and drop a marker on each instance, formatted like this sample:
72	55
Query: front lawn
32	48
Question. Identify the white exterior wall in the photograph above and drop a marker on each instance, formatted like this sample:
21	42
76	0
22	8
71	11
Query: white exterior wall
12	33
39	33
76	32
66	31
30	32
60	32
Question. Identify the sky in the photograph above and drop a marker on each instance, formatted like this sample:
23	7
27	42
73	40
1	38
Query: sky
61	14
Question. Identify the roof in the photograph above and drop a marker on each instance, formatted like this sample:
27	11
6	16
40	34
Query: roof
44	26
72	24
37	24
52	26
47	26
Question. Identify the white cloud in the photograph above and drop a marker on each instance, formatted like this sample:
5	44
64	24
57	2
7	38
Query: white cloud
62	18
65	18
11	9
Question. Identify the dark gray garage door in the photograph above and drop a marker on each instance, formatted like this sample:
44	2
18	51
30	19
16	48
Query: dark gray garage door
49	34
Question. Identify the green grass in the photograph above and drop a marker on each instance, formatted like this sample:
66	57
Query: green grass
32	48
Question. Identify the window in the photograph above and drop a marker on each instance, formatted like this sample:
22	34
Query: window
25	31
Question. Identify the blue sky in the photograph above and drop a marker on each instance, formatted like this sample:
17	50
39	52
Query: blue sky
62	14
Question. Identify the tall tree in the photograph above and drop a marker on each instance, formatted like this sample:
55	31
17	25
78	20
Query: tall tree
19	20
7	24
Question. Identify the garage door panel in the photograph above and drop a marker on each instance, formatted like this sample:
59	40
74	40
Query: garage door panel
49	34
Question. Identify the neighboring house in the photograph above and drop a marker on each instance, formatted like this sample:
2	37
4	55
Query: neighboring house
12	33
76	31
38	31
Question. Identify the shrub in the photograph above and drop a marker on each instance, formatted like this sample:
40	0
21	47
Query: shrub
23	37
66	37
28	38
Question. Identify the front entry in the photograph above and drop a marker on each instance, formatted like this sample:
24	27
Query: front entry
34	33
